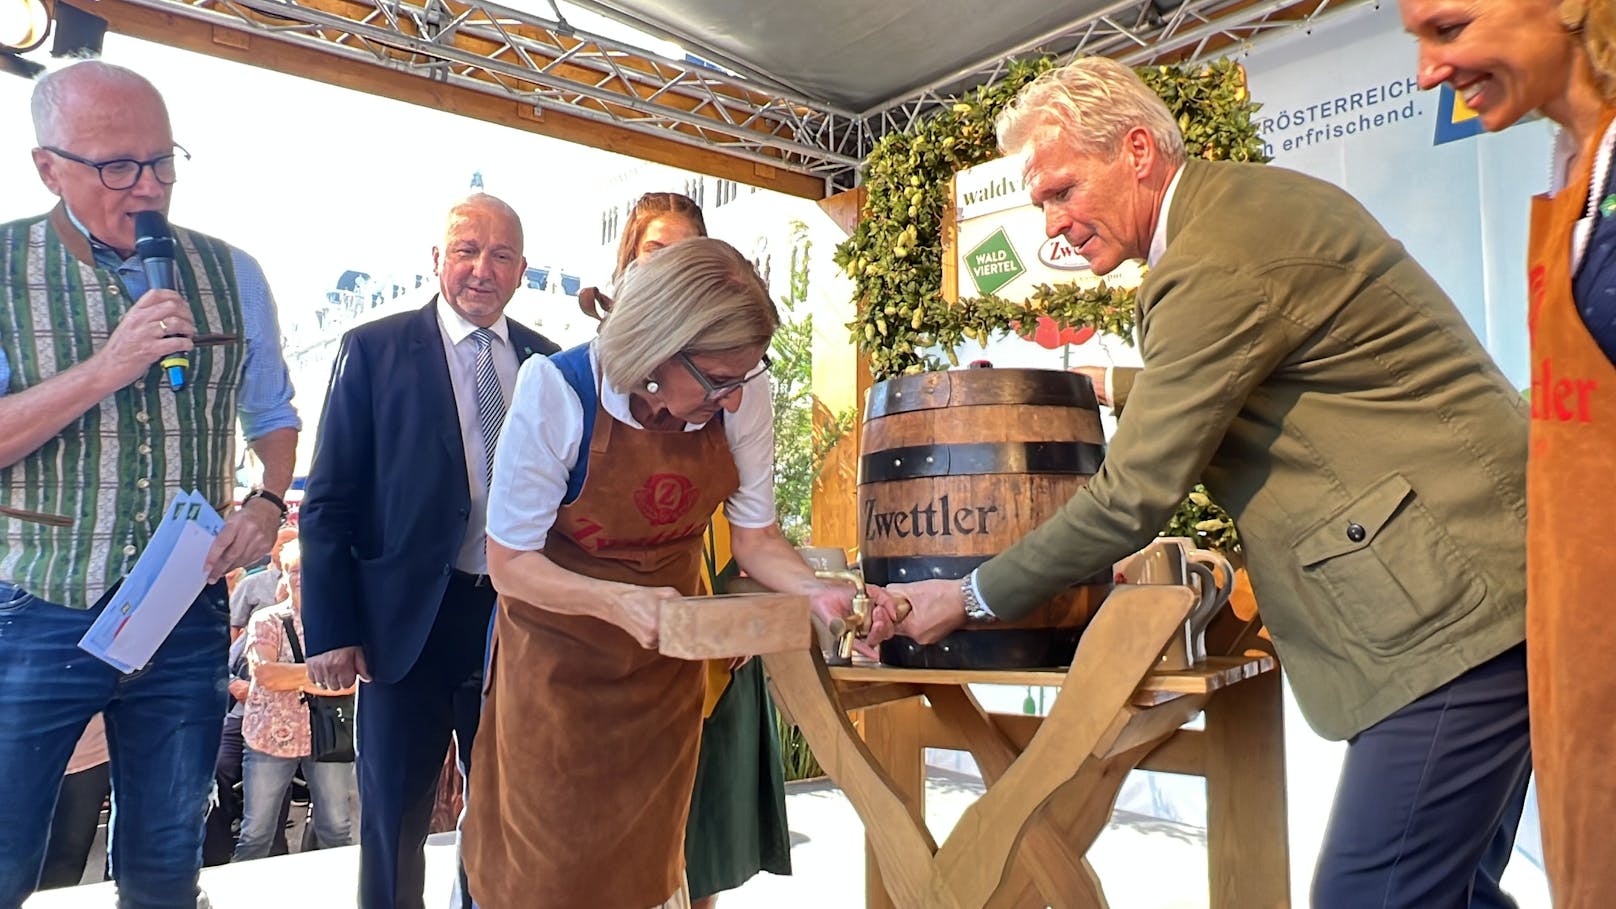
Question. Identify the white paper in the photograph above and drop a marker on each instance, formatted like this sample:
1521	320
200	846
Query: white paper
164	583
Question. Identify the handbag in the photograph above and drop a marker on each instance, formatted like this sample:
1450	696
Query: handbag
331	717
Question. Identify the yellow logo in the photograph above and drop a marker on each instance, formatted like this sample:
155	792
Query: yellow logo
1454	118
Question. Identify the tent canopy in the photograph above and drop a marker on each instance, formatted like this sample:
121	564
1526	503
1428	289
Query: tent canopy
852	55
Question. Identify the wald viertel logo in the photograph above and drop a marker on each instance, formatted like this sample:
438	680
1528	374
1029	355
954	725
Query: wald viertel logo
994	263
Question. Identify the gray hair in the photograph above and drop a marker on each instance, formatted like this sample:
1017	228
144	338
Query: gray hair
485	202
699	296
1094	102
56	90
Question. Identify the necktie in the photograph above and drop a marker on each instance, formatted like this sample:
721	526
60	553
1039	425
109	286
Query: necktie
490	402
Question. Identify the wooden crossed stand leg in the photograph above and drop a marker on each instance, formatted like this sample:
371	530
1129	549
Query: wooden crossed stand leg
1052	781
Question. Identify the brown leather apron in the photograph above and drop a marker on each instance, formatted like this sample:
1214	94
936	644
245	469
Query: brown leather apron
586	753
1571	564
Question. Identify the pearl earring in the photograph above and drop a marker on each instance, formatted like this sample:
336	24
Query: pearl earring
652	386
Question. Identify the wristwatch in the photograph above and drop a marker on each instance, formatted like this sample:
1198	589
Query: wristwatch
975	611
271	498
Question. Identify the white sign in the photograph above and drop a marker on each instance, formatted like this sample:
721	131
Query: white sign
1059	255
989	188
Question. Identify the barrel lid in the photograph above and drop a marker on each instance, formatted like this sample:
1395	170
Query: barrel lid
967	387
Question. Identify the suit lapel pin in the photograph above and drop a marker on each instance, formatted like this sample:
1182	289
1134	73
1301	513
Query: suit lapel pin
1608	206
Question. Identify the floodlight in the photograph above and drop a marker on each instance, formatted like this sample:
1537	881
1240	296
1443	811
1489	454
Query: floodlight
23	25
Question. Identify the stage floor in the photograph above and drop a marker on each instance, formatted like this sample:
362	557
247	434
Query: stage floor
1144	862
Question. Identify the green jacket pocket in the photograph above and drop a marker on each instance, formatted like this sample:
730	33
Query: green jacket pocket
1389	568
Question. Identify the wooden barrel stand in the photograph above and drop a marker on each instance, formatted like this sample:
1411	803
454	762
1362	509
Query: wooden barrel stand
1052	781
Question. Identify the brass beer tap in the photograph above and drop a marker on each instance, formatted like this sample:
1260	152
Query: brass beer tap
858	623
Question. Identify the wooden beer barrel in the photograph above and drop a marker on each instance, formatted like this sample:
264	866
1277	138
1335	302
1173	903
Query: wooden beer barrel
955	467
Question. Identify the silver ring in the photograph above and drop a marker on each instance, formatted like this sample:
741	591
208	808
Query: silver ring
162	326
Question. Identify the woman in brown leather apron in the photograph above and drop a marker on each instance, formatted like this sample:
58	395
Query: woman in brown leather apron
612	458
737	823
1507	59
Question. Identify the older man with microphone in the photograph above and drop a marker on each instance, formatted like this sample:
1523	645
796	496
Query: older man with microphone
98	437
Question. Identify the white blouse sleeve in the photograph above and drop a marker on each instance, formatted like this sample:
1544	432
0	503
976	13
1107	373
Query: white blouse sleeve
538	447
750	430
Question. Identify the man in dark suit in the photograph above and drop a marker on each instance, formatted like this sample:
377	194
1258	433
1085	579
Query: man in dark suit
395	581
1330	395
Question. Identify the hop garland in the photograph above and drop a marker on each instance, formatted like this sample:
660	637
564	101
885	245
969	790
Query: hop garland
895	256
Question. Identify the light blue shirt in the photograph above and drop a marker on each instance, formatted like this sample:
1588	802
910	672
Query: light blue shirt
264	403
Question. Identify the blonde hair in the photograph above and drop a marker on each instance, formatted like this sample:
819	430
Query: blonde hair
1598	27
648	208
1094	102
699	296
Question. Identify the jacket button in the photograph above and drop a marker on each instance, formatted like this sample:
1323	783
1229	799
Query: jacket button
1356	532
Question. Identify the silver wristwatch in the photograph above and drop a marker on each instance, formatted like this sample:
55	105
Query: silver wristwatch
974	610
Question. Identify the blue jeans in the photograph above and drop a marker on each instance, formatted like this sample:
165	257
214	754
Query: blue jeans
264	781
162	730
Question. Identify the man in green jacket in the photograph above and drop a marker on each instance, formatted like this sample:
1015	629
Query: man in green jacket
1331	397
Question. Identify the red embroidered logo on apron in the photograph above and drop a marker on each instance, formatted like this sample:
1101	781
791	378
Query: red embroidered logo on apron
665	497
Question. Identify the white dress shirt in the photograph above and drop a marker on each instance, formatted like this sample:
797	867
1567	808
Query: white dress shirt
460	349
544	431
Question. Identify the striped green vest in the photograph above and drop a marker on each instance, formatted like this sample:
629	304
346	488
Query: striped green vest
114	468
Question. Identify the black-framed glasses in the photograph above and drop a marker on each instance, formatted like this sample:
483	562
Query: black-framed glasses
122	173
717	390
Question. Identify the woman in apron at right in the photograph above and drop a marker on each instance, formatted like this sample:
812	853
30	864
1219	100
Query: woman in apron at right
1507	59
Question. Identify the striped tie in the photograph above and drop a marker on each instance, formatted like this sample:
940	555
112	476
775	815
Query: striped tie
490	403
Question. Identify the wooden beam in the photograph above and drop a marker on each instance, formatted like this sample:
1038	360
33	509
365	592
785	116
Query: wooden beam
1247	852
1183	753
841	381
865	696
722	627
243	45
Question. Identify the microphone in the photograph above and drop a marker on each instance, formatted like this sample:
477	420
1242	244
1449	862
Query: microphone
154	244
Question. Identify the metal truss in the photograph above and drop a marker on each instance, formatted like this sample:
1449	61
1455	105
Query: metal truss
1137	32
552	66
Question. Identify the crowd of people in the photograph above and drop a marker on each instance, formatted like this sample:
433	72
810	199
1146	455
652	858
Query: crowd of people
1411	525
